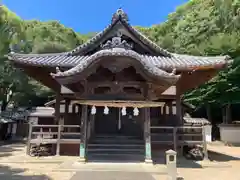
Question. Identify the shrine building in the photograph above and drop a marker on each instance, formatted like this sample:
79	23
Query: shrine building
120	93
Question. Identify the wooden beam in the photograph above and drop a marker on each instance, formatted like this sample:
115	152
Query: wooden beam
190	80
41	74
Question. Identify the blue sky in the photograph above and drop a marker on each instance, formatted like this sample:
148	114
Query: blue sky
93	15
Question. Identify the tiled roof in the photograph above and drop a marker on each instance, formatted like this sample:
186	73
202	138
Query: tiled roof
41	112
147	65
163	60
4	120
179	62
12	116
197	121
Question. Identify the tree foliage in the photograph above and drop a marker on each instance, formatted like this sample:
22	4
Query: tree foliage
29	37
207	28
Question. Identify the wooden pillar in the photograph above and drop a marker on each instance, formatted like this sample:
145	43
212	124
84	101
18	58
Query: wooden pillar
29	138
74	108
147	135
66	113
83	141
179	108
58	140
57	120
91	125
57	108
170	107
175	145
142	114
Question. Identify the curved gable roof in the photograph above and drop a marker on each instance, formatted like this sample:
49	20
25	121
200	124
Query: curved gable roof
169	78
122	18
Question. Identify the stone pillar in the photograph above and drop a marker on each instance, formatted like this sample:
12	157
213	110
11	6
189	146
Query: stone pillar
171	162
83	141
147	135
205	150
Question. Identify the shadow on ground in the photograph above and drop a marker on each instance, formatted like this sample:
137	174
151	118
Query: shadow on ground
8	148
215	156
6	173
182	162
109	175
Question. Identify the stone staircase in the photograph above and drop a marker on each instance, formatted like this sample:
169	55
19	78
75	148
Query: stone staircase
115	148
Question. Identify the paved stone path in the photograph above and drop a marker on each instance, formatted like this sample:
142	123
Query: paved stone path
111	175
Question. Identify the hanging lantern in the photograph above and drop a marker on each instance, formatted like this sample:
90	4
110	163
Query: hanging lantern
135	111
106	110
93	110
124	111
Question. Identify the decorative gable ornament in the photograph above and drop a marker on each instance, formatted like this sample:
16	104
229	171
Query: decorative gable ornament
117	42
120	15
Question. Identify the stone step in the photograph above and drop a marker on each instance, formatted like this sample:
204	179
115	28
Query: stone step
101	149
115	141
120	146
120	157
117	137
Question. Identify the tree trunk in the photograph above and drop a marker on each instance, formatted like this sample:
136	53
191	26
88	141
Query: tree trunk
223	115
209	115
228	113
4	105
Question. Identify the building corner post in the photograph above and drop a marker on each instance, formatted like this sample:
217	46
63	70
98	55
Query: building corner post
147	135
83	140
57	121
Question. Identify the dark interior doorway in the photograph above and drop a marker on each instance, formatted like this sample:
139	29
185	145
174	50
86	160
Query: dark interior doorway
114	123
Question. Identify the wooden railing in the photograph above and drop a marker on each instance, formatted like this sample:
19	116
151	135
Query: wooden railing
53	134
178	136
71	134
